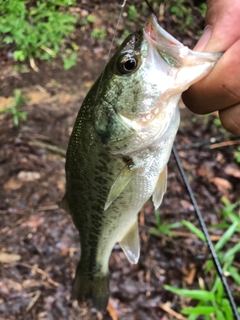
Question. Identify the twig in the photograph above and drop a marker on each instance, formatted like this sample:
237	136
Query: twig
6	229
38	270
192	235
33	65
49	147
48	208
224	144
173	313
34	300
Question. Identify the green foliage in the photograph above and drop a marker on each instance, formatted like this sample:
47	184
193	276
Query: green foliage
209	302
90	18
229	216
37	30
98	34
19	101
182	13
194	230
164	227
218	124
69	59
203	9
213	302
132	12
237	155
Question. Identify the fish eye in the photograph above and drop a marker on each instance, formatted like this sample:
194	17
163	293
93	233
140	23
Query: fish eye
127	64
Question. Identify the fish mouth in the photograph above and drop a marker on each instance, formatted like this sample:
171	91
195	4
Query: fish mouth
158	36
171	50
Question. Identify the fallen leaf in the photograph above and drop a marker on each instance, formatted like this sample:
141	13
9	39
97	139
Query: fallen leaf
12	184
13	285
88	84
190	276
232	170
9	257
223	185
28	176
187	205
111	310
33	222
205	171
6	102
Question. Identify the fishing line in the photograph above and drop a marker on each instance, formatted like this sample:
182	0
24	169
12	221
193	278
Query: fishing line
205	231
111	45
115	31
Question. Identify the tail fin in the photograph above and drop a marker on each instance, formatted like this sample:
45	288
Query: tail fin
95	289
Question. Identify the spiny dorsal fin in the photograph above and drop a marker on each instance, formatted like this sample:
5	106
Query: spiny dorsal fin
130	244
160	188
122	180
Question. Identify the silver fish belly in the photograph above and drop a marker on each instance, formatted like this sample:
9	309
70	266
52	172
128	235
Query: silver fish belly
120	145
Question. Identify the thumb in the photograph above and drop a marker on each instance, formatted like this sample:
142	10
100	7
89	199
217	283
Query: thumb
222	29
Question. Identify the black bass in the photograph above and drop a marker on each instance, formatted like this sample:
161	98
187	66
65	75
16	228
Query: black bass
120	146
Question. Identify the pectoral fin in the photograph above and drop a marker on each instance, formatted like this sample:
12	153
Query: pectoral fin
130	244
160	188
122	180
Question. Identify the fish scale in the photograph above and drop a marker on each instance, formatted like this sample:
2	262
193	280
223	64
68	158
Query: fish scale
119	148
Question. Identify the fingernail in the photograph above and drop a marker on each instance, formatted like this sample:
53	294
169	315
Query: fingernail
202	42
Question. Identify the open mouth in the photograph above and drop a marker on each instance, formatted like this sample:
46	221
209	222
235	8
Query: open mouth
157	34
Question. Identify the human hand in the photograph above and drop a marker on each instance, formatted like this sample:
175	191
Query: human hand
220	90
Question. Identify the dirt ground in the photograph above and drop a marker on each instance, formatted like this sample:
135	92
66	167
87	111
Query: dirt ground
39	246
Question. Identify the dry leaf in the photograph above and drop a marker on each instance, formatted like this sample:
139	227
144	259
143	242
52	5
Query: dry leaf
28	176
111	310
223	185
233	170
12	184
9	257
88	84
191	275
187	205
33	222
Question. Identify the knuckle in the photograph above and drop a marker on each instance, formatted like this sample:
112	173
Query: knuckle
230	119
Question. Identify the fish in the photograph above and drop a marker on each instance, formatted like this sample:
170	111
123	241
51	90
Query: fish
119	148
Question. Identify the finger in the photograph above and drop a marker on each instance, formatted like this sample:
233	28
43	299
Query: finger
220	89
230	118
223	16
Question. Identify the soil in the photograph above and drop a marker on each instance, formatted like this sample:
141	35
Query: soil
39	244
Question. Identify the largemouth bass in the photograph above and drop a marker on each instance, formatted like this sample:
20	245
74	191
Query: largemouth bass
120	146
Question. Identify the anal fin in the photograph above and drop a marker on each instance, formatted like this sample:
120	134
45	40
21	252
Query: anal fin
130	244
122	180
160	188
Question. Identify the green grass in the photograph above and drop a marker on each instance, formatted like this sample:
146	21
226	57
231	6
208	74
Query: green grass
98	34
182	13
164	227
237	155
19	101
211	303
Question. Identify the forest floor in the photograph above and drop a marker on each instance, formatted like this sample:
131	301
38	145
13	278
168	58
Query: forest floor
39	245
